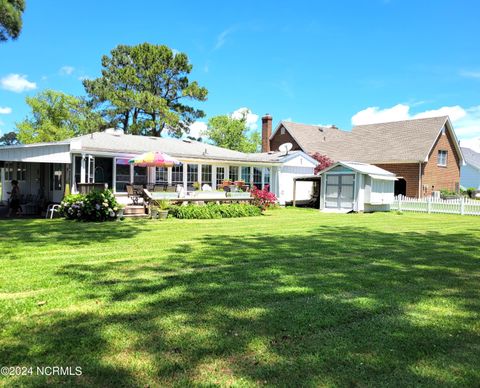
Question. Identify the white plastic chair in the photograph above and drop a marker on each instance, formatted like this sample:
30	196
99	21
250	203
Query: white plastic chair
51	210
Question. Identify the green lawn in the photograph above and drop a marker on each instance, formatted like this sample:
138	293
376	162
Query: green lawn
291	298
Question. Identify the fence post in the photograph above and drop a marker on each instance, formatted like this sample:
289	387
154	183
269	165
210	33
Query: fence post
429	205
399	203
462	205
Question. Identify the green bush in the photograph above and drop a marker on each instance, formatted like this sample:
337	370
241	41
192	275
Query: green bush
213	210
94	206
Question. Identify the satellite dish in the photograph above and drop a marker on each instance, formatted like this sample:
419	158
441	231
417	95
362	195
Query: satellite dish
285	147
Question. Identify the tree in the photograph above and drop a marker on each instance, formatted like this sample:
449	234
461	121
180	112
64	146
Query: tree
57	116
10	138
323	162
228	132
11	18
142	90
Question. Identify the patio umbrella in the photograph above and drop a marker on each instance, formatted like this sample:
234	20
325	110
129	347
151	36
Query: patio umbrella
154	159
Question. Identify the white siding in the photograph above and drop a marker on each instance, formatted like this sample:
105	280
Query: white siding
295	167
470	177
59	153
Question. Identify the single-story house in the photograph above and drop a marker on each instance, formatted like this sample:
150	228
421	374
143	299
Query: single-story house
470	176
102	157
424	153
353	186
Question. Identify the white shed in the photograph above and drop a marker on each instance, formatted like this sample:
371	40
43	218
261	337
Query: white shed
347	186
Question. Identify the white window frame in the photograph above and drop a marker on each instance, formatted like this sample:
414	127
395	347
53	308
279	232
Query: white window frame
442	162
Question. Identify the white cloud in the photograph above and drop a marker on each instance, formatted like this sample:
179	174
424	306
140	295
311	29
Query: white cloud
84	77
66	70
197	129
1	123
251	118
466	121
470	74
222	38
374	114
5	110
17	83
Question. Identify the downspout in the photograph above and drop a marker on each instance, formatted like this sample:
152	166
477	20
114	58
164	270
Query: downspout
420	180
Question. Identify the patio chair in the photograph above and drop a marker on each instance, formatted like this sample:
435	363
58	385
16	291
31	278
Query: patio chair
159	188
131	193
171	189
51	209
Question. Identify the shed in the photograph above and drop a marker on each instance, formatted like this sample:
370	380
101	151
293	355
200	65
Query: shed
353	186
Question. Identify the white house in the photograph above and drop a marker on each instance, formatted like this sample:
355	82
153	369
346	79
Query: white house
470	171
102	157
353	186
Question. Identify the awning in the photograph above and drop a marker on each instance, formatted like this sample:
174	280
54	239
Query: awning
39	153
383	177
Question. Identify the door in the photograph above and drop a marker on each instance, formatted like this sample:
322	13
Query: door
57	184
339	191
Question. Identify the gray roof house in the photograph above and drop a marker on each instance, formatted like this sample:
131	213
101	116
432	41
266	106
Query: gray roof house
102	157
470	176
418	151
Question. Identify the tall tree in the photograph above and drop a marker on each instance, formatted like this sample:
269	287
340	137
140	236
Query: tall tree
57	116
11	18
228	132
10	138
143	89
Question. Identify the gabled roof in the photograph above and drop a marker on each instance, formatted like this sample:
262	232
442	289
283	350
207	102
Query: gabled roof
405	141
471	157
363	168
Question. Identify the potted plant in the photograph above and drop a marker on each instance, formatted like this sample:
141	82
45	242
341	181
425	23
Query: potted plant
163	206
120	211
154	212
196	186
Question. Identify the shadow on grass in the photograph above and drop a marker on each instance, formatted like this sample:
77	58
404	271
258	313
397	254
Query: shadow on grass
24	232
340	306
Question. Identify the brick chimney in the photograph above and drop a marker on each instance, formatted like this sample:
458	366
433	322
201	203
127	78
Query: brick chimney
266	132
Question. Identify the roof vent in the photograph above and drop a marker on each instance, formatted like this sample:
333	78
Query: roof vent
320	129
187	140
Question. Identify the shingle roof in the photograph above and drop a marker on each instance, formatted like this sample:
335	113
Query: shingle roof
399	141
471	157
123	143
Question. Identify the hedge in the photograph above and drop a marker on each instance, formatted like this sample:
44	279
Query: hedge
213	210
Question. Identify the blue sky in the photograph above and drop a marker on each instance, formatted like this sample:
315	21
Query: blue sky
322	63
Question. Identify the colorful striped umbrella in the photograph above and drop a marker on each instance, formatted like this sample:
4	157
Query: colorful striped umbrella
154	159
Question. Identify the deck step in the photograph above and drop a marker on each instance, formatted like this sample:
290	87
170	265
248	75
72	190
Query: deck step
134	210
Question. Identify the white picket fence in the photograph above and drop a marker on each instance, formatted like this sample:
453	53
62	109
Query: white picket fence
463	206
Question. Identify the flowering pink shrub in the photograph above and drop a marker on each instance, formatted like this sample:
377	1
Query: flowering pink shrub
263	198
323	162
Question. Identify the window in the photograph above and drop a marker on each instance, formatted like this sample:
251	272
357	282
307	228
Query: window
9	171
78	168
246	175
122	175
139	175
233	173
282	131
220	175
21	171
206	174
266	178
442	158
161	175
192	175
177	175
257	177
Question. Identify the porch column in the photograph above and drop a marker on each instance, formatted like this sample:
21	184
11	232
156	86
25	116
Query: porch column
294	191
185	169
83	169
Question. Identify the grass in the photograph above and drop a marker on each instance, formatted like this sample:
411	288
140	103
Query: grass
291	298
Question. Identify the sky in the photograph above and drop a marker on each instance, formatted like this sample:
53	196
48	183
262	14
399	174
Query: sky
324	62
